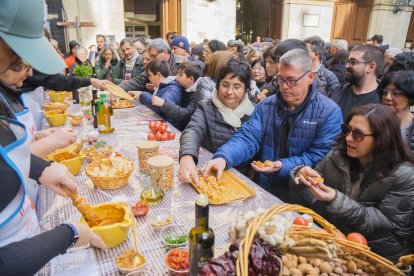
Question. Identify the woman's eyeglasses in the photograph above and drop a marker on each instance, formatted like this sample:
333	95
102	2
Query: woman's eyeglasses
394	93
357	135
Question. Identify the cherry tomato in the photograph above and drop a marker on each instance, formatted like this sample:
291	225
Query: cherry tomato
357	238
162	128
140	209
151	137
158	136
151	125
171	135
157	125
164	136
300	221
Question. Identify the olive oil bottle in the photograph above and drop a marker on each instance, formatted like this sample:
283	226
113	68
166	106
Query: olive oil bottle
104	114
201	237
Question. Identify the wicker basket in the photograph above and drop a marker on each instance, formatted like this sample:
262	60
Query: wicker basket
331	233
107	182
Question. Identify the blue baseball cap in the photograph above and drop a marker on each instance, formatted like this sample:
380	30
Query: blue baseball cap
22	28
181	42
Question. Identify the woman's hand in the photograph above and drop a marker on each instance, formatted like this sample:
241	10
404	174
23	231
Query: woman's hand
323	192
108	64
307	175
216	165
187	172
275	167
157	101
43	133
62	137
98	84
87	236
135	94
57	175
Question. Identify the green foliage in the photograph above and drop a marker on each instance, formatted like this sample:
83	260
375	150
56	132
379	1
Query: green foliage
83	71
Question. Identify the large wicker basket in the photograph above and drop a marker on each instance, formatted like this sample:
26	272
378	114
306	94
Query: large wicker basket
331	233
107	182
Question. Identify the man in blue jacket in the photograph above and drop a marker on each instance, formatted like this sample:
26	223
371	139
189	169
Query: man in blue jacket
294	127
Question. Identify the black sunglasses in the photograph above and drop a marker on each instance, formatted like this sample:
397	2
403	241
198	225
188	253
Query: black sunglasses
357	135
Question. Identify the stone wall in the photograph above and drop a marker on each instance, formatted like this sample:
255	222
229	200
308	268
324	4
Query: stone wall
393	26
107	14
213	20
302	19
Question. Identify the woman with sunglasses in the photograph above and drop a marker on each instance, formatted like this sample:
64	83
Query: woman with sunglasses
368	184
397	91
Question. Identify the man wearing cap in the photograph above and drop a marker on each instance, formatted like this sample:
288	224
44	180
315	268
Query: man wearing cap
22	250
235	46
180	46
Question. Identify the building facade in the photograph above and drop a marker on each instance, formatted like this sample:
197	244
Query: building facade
353	20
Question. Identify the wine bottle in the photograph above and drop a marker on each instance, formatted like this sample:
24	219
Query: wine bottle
201	237
93	107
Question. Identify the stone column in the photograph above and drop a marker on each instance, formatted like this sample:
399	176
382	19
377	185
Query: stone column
393	26
304	18
208	19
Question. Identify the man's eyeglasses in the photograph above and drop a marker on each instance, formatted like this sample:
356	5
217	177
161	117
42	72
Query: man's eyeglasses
289	82
394	93
20	65
353	62
357	135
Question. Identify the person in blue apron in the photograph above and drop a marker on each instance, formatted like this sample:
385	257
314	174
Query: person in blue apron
9	81
23	251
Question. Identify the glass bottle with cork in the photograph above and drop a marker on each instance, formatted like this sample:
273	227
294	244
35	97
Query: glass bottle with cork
201	237
104	115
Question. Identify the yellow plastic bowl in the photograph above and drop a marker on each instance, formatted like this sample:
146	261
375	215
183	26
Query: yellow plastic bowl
116	233
57	96
72	161
55	106
56	117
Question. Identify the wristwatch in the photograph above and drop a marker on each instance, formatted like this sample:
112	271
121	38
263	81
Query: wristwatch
75	233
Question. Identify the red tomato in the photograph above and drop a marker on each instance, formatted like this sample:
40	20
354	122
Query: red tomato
151	125
162	128
357	238
300	221
151	137
164	136
157	125
171	135
158	136
140	209
154	131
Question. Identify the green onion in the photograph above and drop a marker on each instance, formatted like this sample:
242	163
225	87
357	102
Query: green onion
176	240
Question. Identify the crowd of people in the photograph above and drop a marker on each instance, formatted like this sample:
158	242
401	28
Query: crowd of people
337	112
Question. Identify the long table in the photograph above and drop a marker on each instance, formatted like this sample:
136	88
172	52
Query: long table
130	128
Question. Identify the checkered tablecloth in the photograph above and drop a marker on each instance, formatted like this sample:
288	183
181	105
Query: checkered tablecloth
130	127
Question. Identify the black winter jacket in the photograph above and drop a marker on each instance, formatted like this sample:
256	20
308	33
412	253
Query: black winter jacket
383	211
206	128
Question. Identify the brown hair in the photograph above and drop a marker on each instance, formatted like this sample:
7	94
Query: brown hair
104	49
389	149
372	54
218	60
126	40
